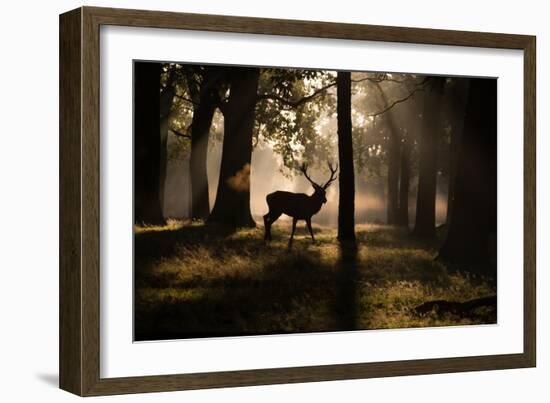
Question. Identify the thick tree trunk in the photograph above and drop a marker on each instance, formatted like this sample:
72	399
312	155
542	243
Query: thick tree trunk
457	112
232	205
200	128
471	237
346	204
147	144
203	112
404	182
427	176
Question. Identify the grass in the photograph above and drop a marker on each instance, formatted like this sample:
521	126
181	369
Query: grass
195	281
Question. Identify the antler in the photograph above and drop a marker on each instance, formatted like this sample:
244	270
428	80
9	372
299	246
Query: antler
303	169
332	175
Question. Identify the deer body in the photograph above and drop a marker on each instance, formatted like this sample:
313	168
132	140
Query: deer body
299	206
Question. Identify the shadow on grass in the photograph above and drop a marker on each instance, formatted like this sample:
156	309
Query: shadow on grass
346	301
293	292
156	244
390	237
201	281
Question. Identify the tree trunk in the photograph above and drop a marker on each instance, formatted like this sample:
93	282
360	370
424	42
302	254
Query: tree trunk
232	205
200	128
471	237
166	99
346	204
147	143
459	99
404	182
393	174
205	96
394	148
427	175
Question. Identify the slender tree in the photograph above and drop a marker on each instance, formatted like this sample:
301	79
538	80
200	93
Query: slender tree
346	204
404	181
394	148
166	99
410	133
392	152
399	143
471	237
427	176
147	143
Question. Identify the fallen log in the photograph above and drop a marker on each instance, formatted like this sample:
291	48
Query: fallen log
441	307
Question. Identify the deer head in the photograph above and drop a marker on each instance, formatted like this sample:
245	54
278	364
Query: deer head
320	191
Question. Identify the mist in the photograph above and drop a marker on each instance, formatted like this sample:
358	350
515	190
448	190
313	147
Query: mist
268	174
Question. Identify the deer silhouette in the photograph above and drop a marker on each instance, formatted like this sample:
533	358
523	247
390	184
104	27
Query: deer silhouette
299	206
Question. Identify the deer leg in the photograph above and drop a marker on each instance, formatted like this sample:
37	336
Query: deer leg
269	219
294	221
308	222
267	228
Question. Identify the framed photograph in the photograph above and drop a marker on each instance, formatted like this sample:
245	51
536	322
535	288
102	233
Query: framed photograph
249	201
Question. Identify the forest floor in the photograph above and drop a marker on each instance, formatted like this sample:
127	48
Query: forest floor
193	281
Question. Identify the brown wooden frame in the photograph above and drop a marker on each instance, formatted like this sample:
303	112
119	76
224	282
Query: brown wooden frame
79	201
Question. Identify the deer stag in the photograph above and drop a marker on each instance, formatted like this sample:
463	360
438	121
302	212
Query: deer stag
299	206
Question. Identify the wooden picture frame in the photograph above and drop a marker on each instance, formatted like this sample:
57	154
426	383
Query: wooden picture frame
79	201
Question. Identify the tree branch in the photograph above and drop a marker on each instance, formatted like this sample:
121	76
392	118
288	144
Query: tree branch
441	307
297	102
378	80
388	107
186	99
180	134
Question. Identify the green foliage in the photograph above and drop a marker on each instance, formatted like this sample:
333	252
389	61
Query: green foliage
292	106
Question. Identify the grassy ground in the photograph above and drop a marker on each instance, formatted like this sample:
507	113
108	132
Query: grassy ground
194	281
